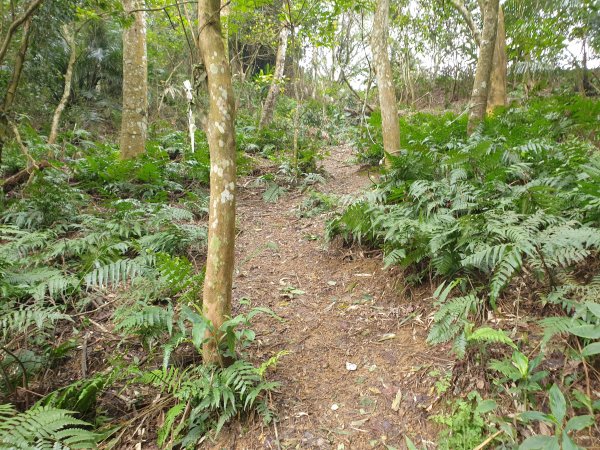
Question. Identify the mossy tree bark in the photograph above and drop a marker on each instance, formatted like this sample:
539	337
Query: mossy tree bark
134	123
269	106
385	82
483	73
221	141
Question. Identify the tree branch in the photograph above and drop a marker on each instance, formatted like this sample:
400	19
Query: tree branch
466	14
16	24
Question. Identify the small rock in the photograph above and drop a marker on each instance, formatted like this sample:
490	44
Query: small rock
351	366
335	407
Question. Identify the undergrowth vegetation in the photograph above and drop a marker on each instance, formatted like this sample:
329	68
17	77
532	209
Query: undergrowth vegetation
504	221
94	247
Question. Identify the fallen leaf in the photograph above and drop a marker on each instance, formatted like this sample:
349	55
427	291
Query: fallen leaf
386	337
358	423
397	401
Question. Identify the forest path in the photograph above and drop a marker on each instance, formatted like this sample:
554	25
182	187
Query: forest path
347	310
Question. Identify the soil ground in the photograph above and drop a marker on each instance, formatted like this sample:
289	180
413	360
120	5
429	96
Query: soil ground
359	374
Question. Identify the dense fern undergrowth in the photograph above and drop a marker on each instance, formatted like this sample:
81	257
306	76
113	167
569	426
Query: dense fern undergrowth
101	272
506	223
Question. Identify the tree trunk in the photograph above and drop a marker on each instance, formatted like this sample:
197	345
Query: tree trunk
269	106
11	92
385	82
483	73
70	38
221	142
497	95
134	123
16	23
13	85
225	12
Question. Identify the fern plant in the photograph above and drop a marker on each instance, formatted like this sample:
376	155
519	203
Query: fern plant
207	397
504	203
43	427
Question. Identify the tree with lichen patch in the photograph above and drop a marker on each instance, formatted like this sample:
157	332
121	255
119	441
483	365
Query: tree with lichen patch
497	91
221	141
385	81
134	123
483	73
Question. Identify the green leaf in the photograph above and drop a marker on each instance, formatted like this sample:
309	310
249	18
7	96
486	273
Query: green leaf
528	416
586	331
578	423
486	406
540	443
558	404
521	362
594	308
567	442
410	444
591	349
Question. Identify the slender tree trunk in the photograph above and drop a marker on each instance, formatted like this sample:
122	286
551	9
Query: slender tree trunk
70	38
16	23
11	92
221	142
483	73
497	95
385	82
269	107
134	123
468	17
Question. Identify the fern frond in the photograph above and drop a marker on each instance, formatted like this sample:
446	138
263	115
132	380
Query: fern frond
114	273
20	320
490	335
41	426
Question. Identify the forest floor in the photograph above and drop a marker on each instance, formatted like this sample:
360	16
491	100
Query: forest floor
359	374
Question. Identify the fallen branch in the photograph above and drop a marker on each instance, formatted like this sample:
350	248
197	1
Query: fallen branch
32	165
23	175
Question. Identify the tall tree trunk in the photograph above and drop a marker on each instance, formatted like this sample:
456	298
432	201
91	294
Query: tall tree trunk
221	141
225	12
497	94
11	91
134	124
385	82
269	106
483	73
70	38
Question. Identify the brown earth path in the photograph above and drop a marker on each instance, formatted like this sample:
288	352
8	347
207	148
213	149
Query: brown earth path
352	311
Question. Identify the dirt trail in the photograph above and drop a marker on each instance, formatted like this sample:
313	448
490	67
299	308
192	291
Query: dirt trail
352	311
